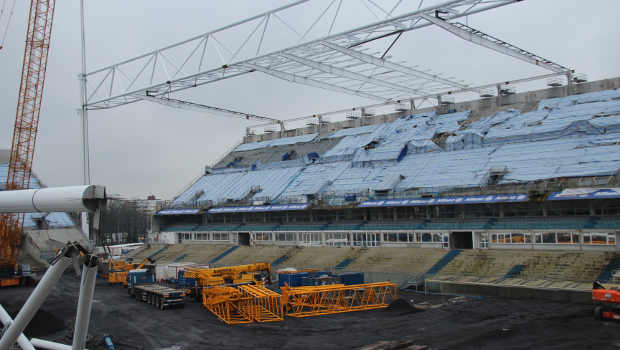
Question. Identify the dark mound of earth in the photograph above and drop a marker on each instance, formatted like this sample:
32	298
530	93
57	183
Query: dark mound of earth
401	305
43	323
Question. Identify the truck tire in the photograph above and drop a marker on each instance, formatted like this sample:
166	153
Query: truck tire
161	304
598	312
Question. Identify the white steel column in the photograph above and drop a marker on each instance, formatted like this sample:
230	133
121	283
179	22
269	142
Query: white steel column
87	290
84	121
22	341
46	344
34	302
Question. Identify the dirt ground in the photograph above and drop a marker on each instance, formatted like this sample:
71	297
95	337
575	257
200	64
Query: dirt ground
472	323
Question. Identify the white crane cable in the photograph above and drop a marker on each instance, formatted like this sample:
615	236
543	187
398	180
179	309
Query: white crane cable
2	9
8	22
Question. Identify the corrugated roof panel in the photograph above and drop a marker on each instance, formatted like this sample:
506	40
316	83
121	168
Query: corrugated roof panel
315	177
607	95
354	131
276	142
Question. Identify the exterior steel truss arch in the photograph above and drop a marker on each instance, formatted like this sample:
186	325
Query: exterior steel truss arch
182	65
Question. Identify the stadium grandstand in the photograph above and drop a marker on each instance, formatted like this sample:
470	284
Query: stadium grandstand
44	233
533	170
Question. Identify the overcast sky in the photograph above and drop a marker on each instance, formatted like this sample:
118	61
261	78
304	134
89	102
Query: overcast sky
145	149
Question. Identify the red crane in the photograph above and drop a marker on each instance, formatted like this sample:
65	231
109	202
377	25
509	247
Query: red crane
26	123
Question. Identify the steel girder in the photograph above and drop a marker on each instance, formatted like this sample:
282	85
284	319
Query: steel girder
337	298
490	42
171	102
264	305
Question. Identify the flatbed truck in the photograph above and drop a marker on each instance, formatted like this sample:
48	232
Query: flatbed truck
141	285
161	297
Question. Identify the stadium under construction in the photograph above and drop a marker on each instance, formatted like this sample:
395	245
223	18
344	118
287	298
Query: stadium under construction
443	203
511	177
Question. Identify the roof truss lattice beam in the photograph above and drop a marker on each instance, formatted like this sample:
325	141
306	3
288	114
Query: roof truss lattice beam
391	65
350	75
479	38
294	78
207	58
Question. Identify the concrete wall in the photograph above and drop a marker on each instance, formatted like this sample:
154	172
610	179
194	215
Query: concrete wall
42	244
558	295
524	101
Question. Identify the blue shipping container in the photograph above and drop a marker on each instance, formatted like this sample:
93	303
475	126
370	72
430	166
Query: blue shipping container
292	279
352	278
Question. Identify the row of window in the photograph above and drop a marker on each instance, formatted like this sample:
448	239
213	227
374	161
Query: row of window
371	239
206	236
416	237
550	238
341	237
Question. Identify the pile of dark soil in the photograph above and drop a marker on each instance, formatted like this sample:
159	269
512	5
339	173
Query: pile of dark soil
401	305
44	323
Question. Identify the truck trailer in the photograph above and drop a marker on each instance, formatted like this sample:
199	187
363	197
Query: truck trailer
142	286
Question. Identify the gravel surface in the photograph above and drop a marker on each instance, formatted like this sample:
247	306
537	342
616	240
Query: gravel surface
440	322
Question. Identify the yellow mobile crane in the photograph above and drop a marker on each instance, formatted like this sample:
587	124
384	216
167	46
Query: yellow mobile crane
119	269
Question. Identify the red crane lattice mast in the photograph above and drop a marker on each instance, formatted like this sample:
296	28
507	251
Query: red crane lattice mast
26	121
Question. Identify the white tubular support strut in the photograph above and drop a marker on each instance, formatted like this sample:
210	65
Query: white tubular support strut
71	198
49	345
22	341
36	299
87	289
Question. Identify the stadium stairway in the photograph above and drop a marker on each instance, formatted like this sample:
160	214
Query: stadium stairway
514	271
443	262
155	254
608	272
223	254
344	263
140	254
249	255
282	259
169	254
279	260
180	258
